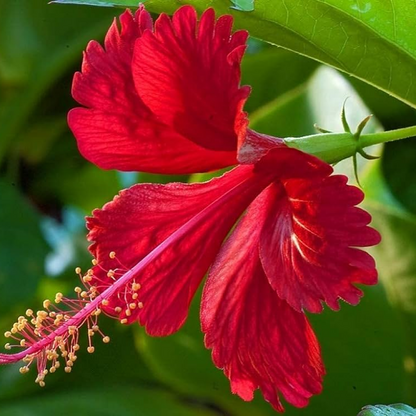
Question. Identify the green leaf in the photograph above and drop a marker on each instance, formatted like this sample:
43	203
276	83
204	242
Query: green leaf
372	41
392	410
110	401
22	248
395	257
398	168
243	5
101	3
32	59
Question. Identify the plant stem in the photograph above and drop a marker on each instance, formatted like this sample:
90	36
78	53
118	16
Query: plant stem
387	136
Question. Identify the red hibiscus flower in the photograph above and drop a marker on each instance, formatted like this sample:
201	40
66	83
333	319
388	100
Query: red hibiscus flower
166	98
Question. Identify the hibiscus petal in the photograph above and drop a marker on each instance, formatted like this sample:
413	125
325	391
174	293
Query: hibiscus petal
188	74
257	338
116	130
185	223
308	246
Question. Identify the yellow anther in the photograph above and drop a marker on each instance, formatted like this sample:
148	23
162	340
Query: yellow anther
90	332
27	359
7	334
112	255
78	270
24	369
29	312
69	363
76	347
68	369
39	378
140	305
97	312
106	340
94	262
90	272
110	273
128	312
57	364
95	328
23	342
87	278
52	369
77	289
52	314
8	346
64	354
42	314
136	286
84	294
132	306
14	330
46	303
90	349
124	321
135	296
58	297
117	309
42	383
105	302
72	330
45	371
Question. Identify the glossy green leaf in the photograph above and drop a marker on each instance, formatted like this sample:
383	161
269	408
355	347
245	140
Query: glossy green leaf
243	5
22	248
392	410
372	41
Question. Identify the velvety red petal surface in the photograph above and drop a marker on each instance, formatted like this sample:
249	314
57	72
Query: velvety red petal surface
309	246
257	338
188	73
191	220
116	130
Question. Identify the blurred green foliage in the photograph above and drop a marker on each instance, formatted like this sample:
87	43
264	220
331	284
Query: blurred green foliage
46	188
